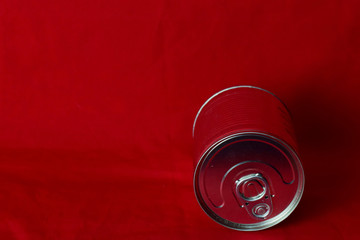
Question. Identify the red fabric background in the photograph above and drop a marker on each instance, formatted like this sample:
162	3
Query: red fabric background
97	100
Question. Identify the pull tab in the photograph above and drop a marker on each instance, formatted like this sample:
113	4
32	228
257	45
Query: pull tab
253	193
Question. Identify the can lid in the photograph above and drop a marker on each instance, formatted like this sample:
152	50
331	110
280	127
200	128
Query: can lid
249	181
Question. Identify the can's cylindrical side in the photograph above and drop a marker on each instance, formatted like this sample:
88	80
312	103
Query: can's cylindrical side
242	108
245	152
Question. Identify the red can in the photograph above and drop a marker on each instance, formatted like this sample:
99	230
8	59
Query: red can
248	174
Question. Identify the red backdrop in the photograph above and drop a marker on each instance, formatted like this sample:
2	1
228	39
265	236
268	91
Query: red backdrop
97	100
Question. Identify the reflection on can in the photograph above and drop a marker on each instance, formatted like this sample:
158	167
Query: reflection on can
248	174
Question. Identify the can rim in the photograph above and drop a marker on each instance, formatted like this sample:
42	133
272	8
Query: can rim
228	89
266	224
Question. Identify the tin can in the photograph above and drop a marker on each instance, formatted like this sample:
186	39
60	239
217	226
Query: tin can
248	175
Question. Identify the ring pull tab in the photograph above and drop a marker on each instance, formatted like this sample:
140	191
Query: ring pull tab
253	193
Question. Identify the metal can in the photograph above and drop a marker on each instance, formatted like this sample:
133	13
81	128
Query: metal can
248	175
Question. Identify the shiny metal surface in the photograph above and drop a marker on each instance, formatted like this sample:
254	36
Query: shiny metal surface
247	180
227	89
270	170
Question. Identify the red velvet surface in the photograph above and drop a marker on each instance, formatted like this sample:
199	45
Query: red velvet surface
97	100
